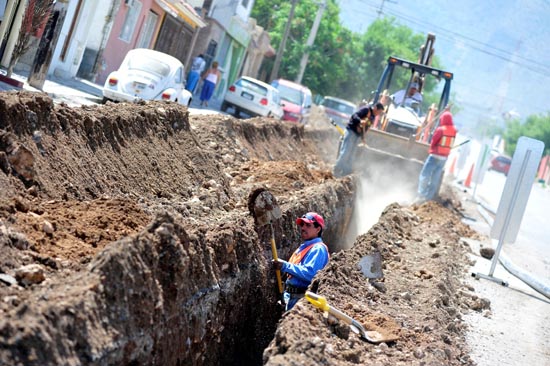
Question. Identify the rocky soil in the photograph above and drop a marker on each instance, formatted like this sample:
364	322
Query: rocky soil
126	239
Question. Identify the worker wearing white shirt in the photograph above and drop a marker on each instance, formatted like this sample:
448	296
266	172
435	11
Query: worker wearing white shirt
413	98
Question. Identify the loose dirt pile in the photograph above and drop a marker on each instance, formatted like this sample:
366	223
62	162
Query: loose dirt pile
126	239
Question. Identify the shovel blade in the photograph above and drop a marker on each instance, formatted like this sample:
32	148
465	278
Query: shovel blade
264	207
371	266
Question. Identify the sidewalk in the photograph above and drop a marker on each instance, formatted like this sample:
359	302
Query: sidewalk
515	329
73	92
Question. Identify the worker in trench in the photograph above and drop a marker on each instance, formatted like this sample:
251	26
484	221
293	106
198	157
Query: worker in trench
310	257
356	129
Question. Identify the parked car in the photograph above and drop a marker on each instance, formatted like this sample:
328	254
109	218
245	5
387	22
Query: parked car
147	75
501	164
296	100
339	110
253	97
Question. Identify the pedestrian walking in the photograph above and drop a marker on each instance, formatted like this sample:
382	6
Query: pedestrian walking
197	67
211	78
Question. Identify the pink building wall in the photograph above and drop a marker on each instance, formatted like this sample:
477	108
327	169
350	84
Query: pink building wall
116	48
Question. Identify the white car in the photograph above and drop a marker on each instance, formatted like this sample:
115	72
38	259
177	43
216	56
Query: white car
147	75
253	97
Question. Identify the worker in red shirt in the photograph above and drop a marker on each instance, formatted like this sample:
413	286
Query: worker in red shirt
440	148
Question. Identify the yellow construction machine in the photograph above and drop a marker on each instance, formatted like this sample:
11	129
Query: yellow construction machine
398	142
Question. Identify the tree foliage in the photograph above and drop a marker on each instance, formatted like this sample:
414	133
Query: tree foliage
535	126
341	63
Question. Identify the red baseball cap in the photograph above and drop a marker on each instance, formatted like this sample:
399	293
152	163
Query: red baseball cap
310	218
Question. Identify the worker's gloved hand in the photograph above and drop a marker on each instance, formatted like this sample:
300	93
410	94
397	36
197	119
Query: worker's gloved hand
277	264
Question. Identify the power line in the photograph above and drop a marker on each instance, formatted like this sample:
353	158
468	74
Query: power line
536	67
544	69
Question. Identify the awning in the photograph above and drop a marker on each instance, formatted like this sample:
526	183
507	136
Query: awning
181	9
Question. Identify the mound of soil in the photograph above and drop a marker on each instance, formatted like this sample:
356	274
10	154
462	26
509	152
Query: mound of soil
126	239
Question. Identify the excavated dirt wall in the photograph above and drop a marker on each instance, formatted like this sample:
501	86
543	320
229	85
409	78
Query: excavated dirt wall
136	220
126	240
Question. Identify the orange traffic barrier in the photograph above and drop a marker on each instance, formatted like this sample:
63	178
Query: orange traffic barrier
468	181
452	168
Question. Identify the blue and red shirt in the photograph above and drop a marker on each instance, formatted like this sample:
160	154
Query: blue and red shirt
313	256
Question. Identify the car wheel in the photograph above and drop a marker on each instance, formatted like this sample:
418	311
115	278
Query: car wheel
104	100
224	106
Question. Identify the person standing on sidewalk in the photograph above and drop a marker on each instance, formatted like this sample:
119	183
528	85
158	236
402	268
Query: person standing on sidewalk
357	127
310	257
211	78
440	148
197	67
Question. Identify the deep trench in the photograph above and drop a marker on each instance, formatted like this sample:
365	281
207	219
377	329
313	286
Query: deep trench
251	326
352	211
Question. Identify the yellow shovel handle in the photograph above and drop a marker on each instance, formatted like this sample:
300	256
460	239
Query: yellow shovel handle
317	300
321	303
277	272
338	128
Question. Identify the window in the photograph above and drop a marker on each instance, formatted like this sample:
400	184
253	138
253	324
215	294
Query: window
336	105
130	21
179	75
149	65
3	4
289	94
246	84
307	103
147	30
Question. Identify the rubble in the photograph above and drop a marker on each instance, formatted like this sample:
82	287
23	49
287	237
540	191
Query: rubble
137	217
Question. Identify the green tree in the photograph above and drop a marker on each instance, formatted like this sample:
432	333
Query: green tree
341	63
535	126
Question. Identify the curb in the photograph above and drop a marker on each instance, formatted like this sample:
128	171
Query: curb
12	82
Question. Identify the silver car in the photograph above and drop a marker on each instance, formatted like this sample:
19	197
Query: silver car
339	110
253	97
147	75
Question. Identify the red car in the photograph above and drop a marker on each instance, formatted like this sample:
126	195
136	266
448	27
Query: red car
296	100
501	164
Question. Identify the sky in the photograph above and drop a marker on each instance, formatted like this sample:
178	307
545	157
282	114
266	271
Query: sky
498	50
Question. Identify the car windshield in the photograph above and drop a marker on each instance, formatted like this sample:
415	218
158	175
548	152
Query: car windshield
258	89
290	94
149	65
340	107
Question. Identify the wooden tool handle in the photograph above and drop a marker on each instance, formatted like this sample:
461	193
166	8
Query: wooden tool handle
277	272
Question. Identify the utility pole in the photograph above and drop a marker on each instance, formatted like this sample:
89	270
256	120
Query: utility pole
46	46
277	64
382	6
310	40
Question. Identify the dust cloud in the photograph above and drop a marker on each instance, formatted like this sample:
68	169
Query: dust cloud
376	189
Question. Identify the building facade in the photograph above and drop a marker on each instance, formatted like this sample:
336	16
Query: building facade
94	36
